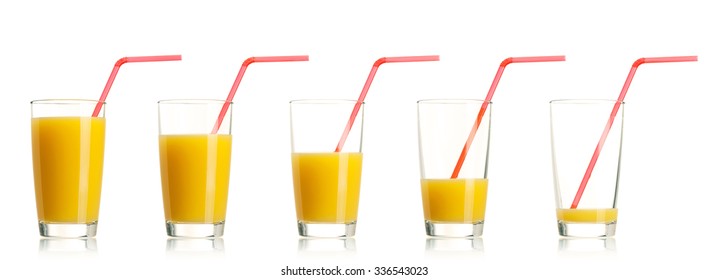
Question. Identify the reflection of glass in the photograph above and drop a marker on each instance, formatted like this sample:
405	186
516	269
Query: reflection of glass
454	244
68	246
191	246
327	245
587	246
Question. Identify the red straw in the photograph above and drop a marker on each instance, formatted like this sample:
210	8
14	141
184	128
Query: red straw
620	99
370	79
239	77
488	99
122	61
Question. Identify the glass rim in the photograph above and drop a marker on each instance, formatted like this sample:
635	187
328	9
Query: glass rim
193	101
324	101
66	101
452	101
584	101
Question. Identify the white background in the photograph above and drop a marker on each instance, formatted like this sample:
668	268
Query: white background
66	49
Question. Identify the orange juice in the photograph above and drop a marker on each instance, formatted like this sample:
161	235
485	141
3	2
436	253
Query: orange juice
327	186
587	216
454	200
67	156
195	177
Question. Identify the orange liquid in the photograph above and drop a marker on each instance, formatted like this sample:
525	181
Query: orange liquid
454	200
587	216
67	156
327	186
195	173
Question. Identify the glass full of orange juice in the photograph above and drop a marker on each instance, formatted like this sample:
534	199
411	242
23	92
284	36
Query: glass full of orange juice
576	128
326	181
453	206
195	164
67	156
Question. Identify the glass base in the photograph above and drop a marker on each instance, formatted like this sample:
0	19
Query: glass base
453	230
195	230
326	230
586	229
67	230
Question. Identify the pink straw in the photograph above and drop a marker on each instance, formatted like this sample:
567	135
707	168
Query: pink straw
239	77
367	85
615	109
122	61
488	99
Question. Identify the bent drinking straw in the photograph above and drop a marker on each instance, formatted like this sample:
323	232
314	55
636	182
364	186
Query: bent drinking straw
117	66
619	101
488	99
239	77
367	85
